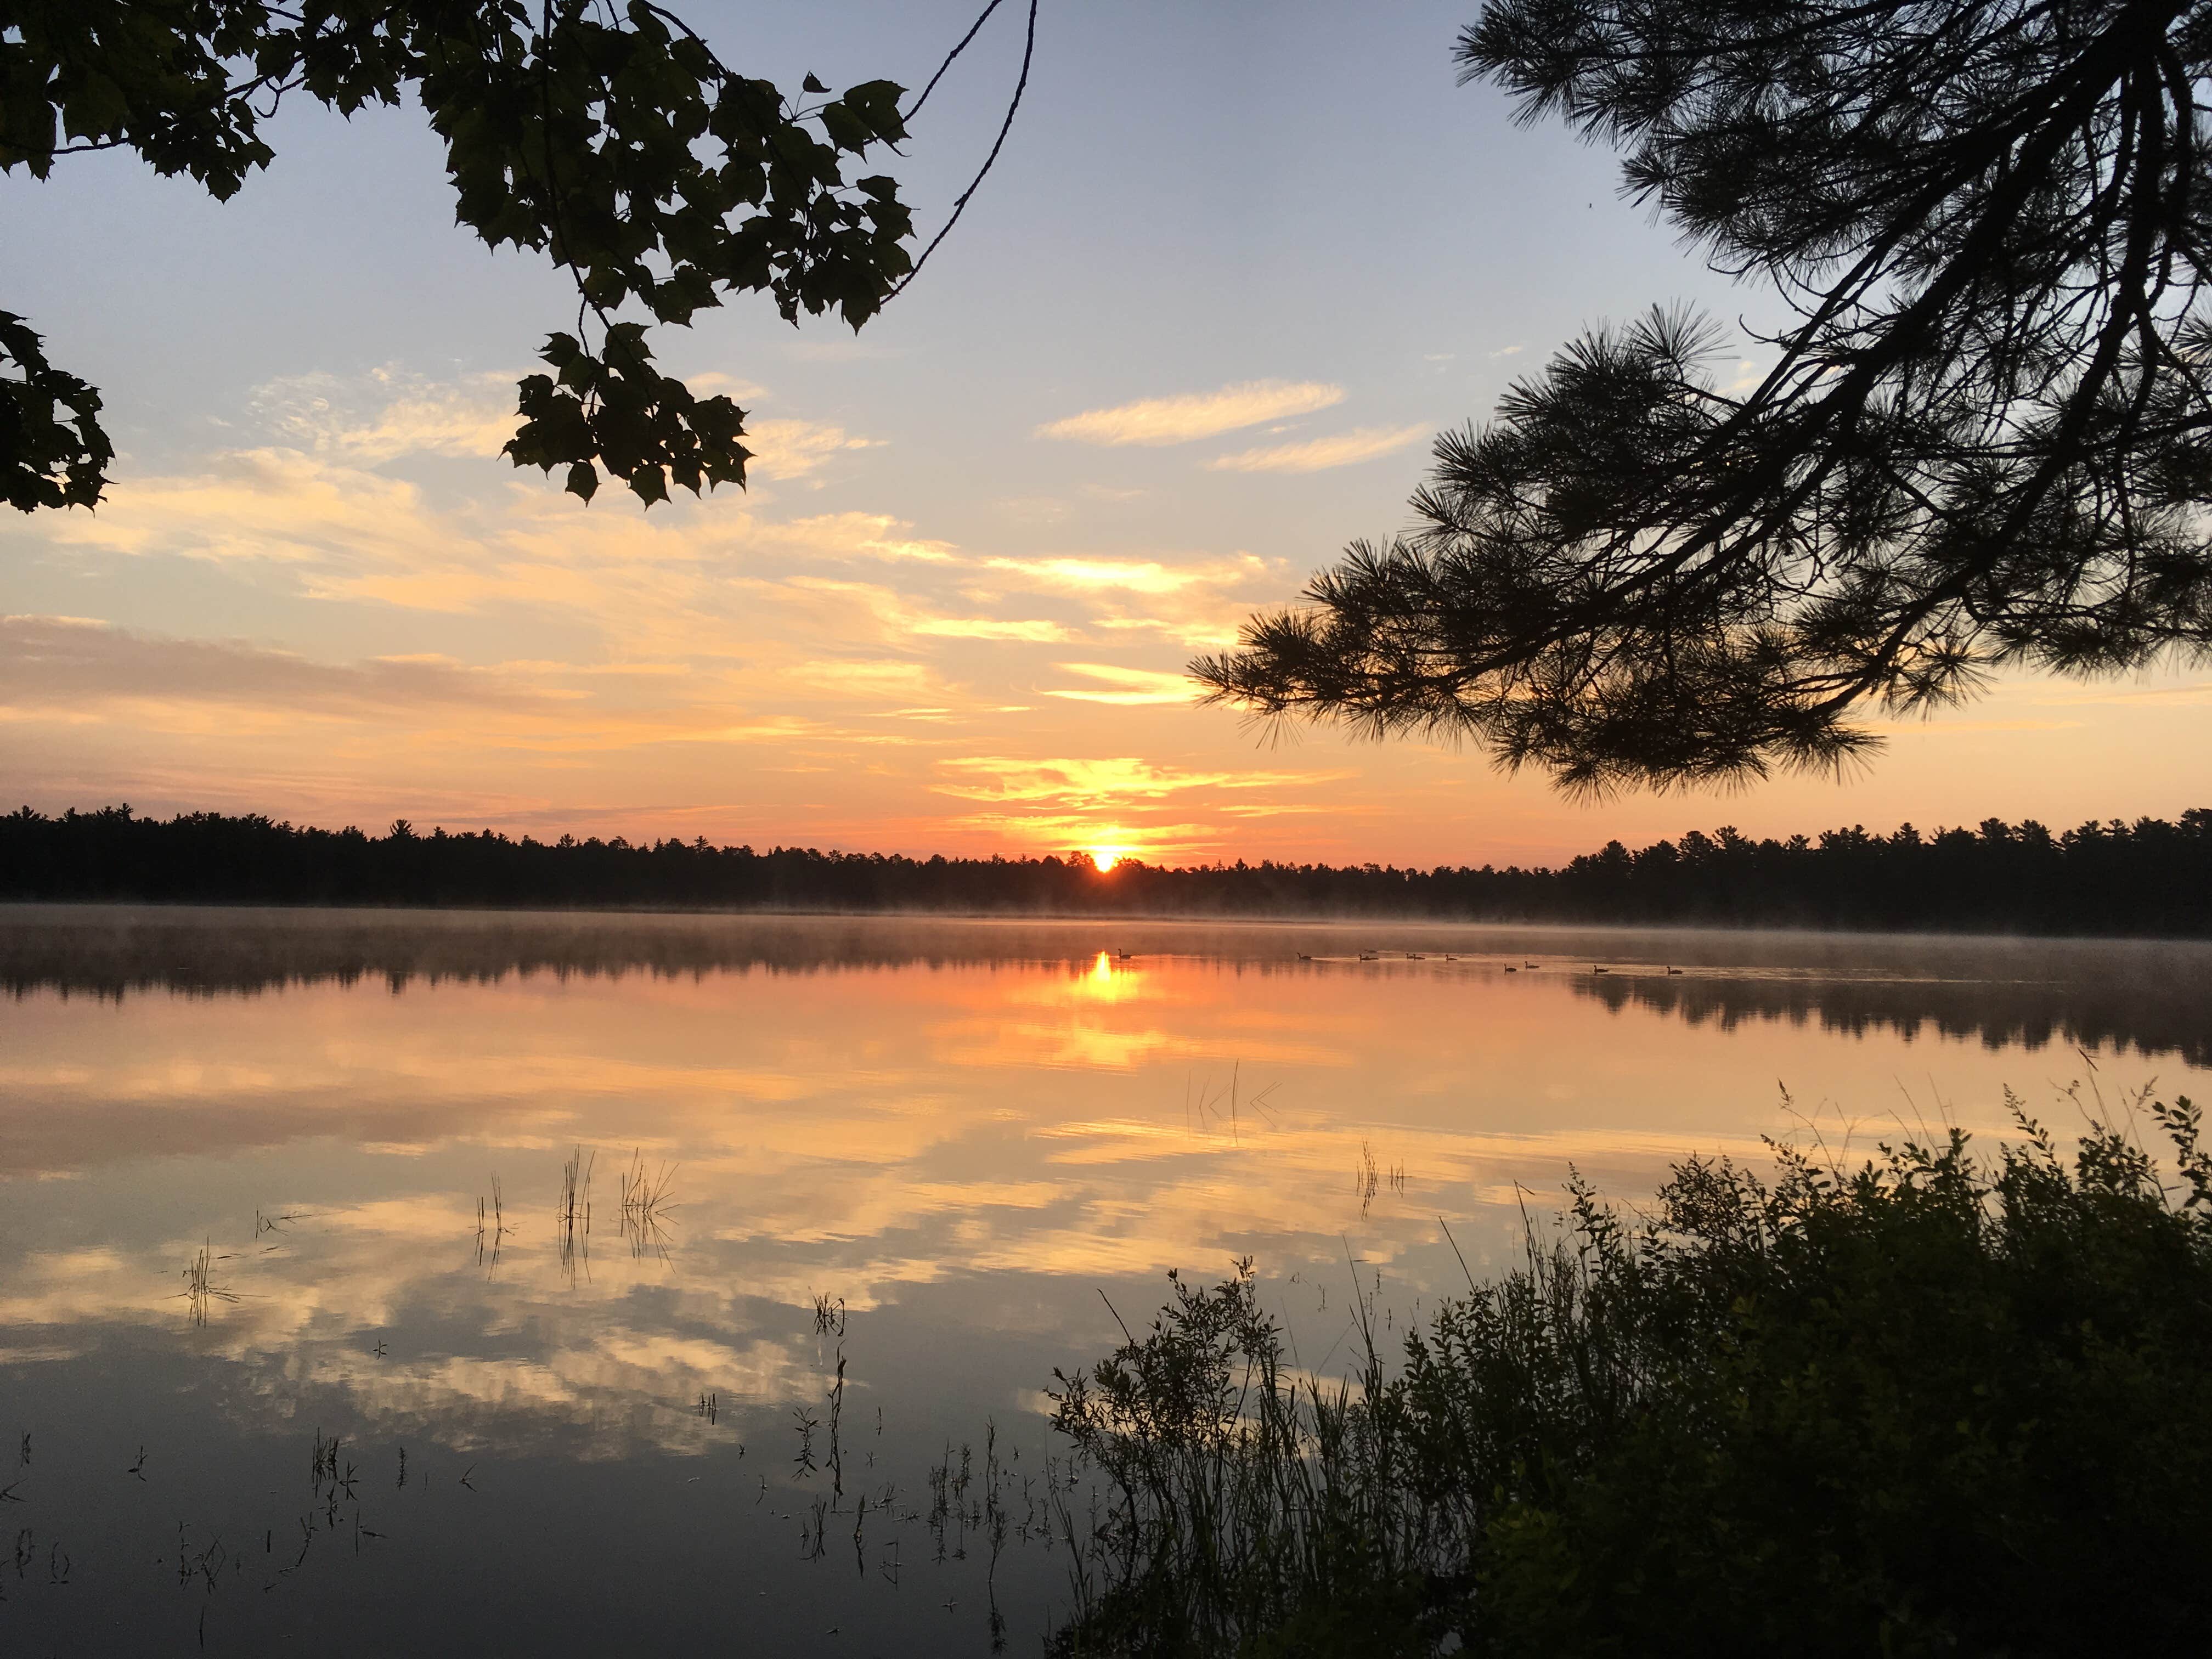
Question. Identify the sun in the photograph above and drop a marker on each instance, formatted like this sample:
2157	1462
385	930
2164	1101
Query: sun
1105	858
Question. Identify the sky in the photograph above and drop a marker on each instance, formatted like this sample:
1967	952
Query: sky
1236	266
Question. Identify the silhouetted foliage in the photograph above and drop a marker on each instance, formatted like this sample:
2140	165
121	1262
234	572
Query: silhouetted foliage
1983	439
53	451
616	142
2152	876
1924	1406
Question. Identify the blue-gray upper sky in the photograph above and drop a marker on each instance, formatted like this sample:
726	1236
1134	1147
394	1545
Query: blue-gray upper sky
1236	265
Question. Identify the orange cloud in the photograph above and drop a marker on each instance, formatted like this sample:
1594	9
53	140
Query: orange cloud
796	449
1128	686
1318	454
1179	419
1088	782
1137	575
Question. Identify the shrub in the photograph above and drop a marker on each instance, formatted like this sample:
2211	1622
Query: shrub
1933	1405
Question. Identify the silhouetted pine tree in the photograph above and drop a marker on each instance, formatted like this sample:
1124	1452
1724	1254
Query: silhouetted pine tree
1982	440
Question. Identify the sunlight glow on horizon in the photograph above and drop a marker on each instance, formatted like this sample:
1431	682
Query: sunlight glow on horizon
947	616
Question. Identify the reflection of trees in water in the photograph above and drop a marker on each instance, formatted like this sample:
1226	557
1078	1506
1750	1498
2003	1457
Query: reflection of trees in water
207	953
2079	1013
2139	995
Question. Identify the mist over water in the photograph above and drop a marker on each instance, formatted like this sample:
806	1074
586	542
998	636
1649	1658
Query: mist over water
920	1148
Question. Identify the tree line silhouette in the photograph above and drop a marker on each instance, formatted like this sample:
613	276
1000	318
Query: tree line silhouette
2151	876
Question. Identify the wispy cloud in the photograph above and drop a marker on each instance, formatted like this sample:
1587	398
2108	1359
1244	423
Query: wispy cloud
1032	509
65	676
1197	603
74	662
858	535
1060	830
388	413
1967	728
900	617
284	506
1128	686
1073	783
867	679
1749	372
1318	454
1032	631
1115	780
1131	575
1196	415
796	449
2194	693
1193	633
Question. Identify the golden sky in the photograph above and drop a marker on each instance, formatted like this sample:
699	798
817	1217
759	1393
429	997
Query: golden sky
1132	401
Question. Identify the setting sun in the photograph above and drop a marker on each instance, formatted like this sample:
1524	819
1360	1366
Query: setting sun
1105	858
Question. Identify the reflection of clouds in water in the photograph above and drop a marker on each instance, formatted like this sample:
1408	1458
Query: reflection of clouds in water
524	1362
1107	1198
989	1041
71	1288
997	1136
616	1390
614	1360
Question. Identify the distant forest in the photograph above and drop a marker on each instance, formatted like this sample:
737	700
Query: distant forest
2150	877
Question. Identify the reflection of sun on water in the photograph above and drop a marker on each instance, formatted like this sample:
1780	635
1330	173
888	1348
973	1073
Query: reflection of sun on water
1108	983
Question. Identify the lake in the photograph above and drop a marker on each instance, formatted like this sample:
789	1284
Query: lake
490	1282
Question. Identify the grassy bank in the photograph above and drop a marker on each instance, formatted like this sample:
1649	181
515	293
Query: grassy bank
1934	1404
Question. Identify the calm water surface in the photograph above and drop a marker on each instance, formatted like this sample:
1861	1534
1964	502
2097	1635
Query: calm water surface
242	1155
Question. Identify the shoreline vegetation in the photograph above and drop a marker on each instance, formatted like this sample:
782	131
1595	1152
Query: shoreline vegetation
1929	1404
2151	877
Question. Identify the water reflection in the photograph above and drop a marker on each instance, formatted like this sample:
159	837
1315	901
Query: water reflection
2126	994
640	1252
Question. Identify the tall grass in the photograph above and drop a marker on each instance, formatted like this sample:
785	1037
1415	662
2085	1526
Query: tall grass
647	1200
572	1214
201	1289
491	1228
1932	1404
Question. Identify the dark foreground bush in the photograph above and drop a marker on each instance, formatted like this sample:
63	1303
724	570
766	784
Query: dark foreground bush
1933	1407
